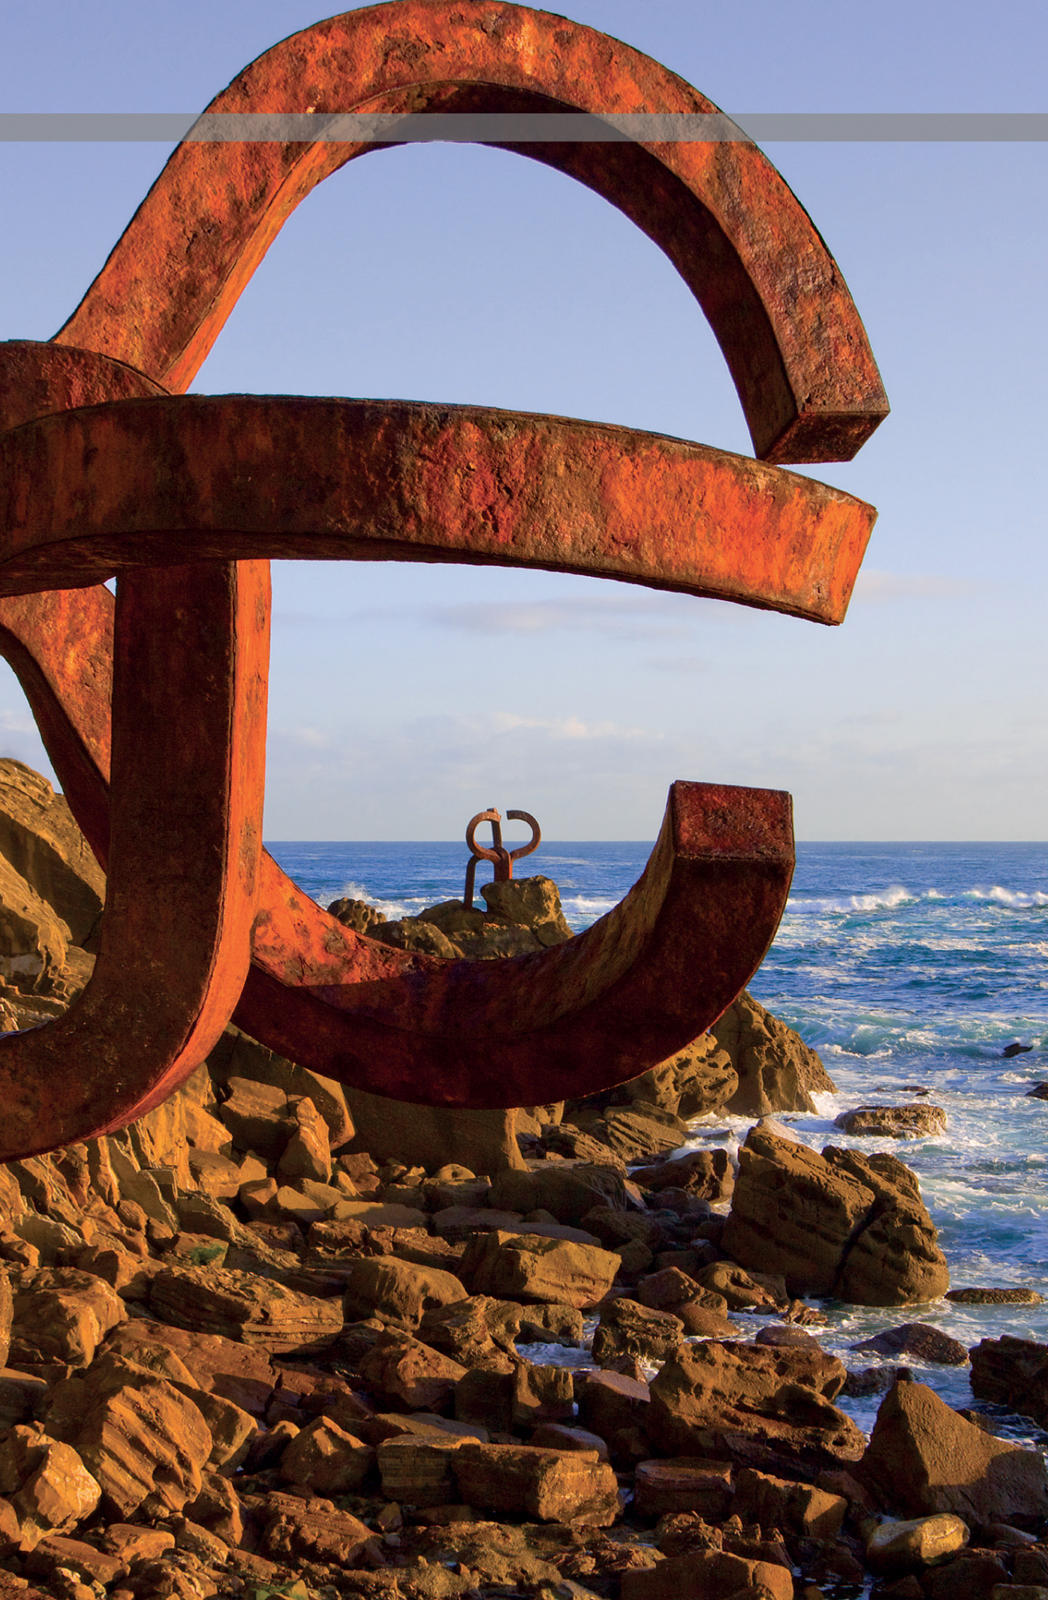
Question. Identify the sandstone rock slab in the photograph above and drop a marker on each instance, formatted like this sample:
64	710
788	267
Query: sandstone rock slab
923	1458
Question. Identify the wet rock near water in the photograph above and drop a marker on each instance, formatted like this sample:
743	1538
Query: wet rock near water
921	1340
892	1122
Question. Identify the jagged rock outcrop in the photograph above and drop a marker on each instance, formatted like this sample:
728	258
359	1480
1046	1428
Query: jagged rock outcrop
777	1071
837	1223
42	843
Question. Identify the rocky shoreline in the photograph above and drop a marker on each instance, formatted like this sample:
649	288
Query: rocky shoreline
278	1338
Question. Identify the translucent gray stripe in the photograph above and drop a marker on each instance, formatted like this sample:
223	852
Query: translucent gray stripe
522	127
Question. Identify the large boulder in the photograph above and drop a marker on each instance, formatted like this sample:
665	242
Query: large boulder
528	1266
531	902
924	1458
237	1055
61	1316
146	1445
433	1136
43	844
837	1223
397	1292
709	1394
1012	1372
566	1189
49	1487
546	1485
776	1070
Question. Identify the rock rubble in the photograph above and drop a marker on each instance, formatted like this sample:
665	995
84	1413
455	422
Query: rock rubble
252	1350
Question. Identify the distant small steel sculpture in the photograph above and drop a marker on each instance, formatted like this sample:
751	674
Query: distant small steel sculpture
499	855
153	708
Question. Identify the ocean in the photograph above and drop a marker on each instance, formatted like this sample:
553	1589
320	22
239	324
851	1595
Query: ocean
906	966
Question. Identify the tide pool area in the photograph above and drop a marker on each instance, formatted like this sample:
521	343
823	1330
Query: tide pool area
910	968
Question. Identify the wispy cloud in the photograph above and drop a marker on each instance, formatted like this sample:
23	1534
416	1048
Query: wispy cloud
876	587
311	738
426	776
633	616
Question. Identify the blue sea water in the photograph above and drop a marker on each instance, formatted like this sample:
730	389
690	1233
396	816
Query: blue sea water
908	967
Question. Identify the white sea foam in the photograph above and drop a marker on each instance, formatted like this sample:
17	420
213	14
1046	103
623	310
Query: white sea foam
392	909
882	900
1015	899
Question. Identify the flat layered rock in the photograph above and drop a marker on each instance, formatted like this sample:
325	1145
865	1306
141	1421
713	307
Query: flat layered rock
892	1122
709	1575
996	1297
240	1306
709	1392
682	1483
528	1480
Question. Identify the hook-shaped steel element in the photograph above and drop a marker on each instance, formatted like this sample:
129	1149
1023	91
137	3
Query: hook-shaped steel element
107	468
743	243
502	858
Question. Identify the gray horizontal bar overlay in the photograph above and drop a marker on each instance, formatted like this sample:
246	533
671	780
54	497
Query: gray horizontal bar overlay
522	127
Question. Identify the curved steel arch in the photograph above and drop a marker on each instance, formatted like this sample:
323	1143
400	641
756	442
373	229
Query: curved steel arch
664	964
743	243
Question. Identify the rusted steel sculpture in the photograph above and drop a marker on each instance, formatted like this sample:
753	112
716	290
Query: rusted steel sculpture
152	708
501	858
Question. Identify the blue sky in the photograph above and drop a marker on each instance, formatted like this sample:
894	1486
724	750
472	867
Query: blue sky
403	699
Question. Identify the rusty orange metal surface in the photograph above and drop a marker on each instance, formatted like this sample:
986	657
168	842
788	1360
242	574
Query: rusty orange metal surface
501	858
164	984
141	482
772	292
153	710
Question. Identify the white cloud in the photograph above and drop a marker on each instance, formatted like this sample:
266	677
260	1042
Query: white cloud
874	587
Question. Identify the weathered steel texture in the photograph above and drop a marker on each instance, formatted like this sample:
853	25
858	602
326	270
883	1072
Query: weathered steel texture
635	987
87	493
104	471
501	858
647	978
188	767
773	294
